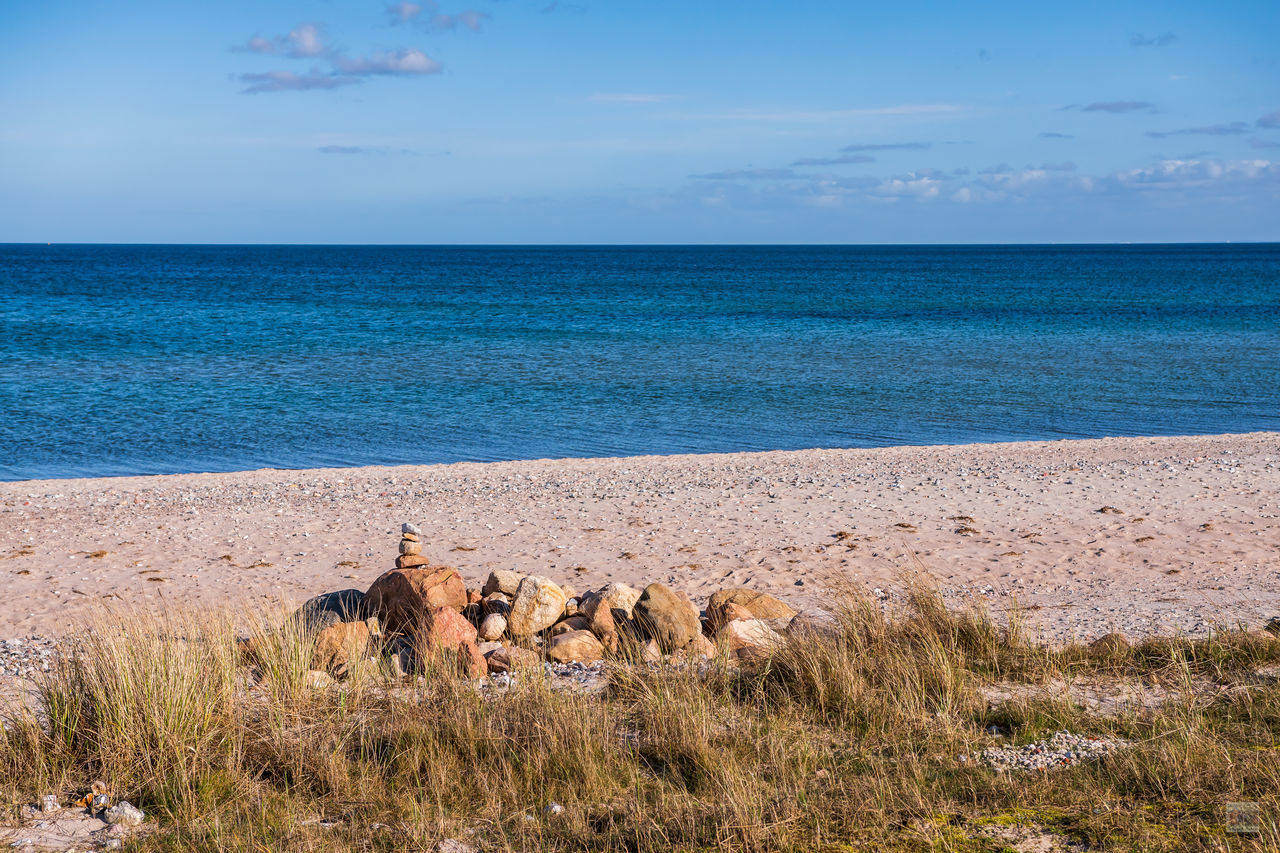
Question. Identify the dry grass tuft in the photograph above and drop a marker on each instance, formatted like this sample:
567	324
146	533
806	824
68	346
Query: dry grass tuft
847	738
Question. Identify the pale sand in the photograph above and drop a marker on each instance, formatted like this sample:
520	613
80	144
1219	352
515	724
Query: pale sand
1196	541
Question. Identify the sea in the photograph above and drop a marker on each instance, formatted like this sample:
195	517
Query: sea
153	359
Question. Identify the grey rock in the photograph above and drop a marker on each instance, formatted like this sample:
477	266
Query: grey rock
410	528
345	605
125	814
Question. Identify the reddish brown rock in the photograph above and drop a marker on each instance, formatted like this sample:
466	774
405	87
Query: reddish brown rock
600	621
404	597
407	561
338	645
450	635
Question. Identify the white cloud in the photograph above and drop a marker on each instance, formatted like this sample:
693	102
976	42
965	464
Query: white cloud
403	13
405	61
305	41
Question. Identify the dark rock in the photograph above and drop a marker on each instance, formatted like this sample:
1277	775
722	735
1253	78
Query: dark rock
345	605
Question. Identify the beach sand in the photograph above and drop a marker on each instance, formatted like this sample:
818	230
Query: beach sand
1141	535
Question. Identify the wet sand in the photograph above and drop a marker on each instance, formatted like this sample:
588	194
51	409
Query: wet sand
1141	535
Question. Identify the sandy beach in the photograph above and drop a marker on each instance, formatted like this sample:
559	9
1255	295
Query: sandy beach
1140	535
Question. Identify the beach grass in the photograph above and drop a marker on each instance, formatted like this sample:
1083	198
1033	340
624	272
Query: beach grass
861	735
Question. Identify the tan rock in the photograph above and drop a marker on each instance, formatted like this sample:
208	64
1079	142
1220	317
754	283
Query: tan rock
620	597
511	658
760	605
538	605
723	615
813	625
702	646
318	679
748	638
571	606
651	652
410	548
1114	643
493	626
451	636
667	616
487	648
405	561
496	602
338	645
581	646
503	581
409	537
401	598
571	623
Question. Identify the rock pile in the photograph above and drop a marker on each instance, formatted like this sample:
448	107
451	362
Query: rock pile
420	617
1063	749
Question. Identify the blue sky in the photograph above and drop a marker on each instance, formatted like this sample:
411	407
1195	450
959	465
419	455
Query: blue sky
613	121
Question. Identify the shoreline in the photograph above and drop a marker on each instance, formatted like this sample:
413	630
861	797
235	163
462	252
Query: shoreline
555	460
1192	541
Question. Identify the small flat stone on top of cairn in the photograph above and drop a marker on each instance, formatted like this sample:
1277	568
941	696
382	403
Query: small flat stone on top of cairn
410	546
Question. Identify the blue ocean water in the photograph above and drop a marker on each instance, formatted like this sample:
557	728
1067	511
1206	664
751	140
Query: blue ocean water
157	359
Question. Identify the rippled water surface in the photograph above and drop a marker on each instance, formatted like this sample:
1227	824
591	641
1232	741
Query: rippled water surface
151	359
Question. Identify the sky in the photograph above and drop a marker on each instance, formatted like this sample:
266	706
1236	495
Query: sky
622	121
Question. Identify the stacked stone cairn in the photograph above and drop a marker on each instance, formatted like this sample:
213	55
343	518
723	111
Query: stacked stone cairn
419	617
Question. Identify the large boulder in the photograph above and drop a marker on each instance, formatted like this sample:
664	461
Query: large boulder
450	635
338	645
503	581
667	616
538	605
761	605
581	646
403	598
316	614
